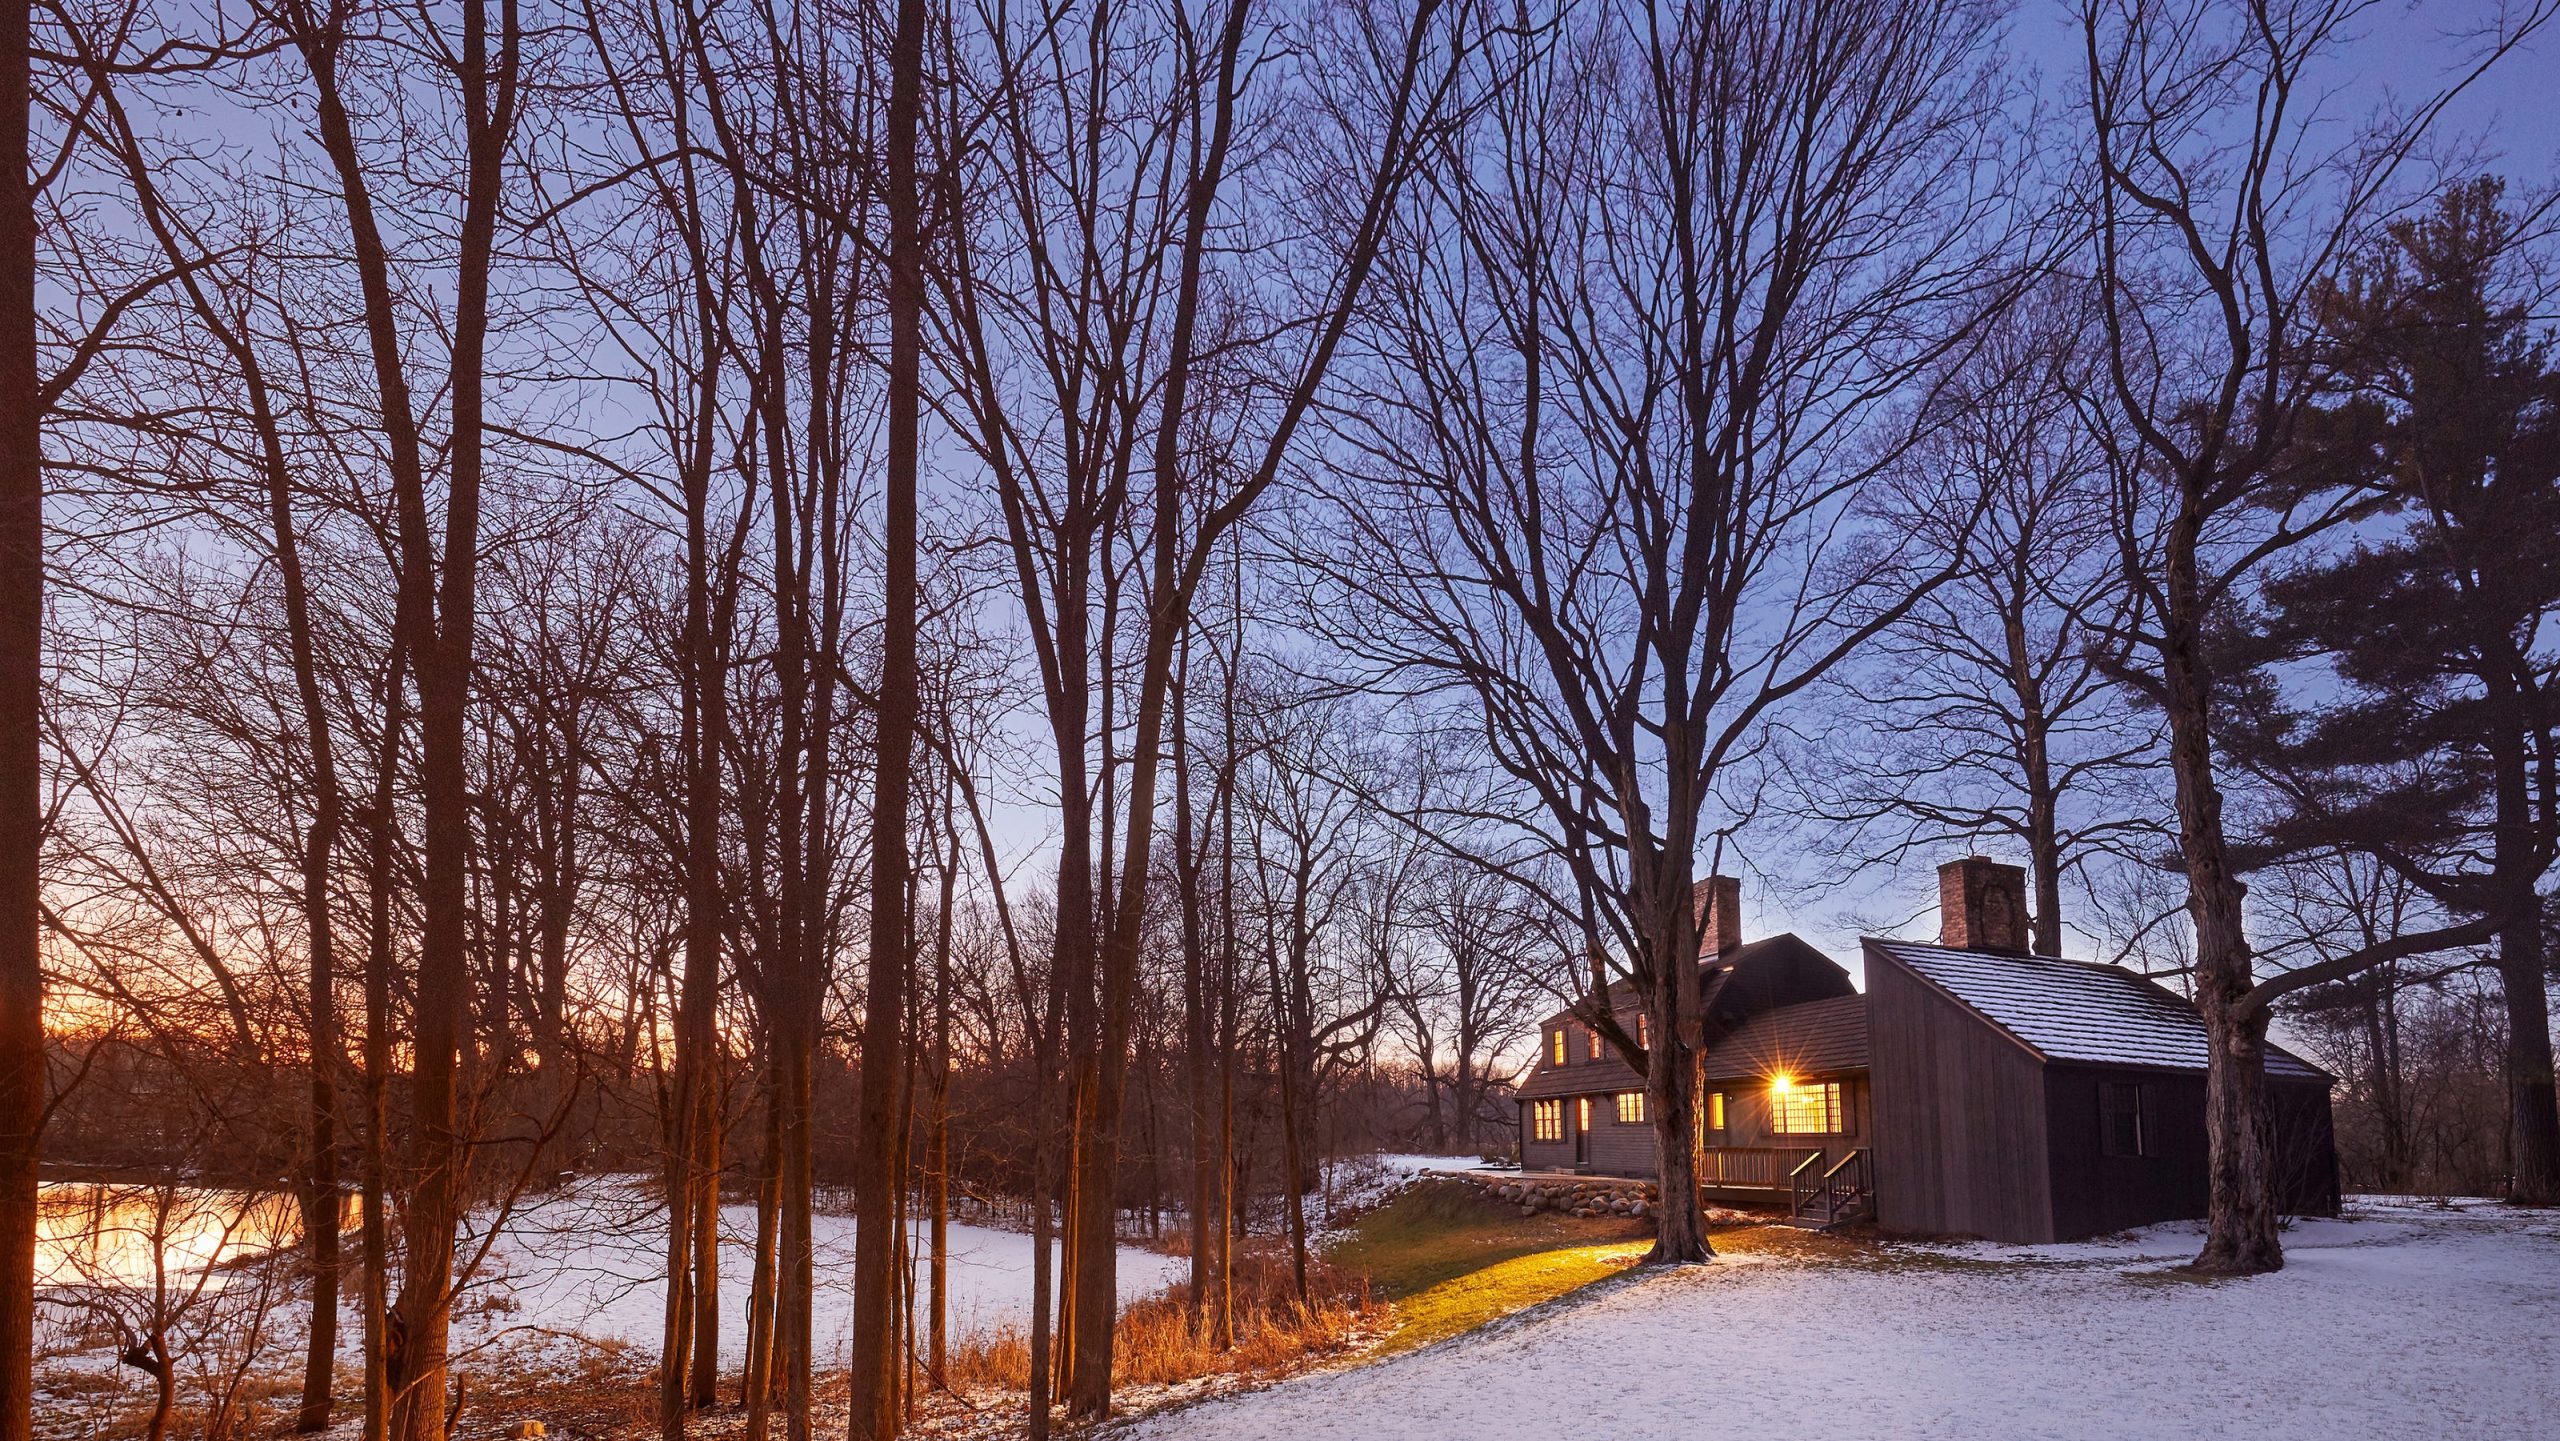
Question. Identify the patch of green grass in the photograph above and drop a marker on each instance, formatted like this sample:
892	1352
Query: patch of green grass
1451	1258
1503	1288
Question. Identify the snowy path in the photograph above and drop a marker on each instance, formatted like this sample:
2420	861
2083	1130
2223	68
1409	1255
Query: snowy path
2402	1321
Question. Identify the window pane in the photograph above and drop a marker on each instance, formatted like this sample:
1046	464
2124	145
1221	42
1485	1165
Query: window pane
1631	1108
2120	1118
1799	1109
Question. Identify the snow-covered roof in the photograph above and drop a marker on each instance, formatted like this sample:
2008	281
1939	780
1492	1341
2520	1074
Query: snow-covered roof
2074	1010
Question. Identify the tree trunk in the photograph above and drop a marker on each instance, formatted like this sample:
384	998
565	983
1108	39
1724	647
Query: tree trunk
1196	1033
938	1137
381	826
22	1057
793	1296
2241	1212
872	1410
704	1386
2383	1062
756	1385
1671	1077
2531	1097
1043	1188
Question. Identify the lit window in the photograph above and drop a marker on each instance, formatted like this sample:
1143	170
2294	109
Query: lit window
1555	1045
1644	1033
1715	1110
1799	1108
1631	1108
1582	1114
1590	1044
2119	1118
1546	1120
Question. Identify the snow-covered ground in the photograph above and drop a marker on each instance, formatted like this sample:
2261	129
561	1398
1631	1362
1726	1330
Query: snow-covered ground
2405	1319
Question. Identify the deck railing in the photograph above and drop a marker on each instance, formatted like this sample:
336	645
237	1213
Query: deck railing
1752	1168
1804	1183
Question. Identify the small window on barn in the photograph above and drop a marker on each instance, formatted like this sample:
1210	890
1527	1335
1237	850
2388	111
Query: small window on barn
1546	1120
2120	1118
1631	1108
1555	1045
1804	1108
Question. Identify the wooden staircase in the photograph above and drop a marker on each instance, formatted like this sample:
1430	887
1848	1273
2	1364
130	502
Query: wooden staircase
1825	1198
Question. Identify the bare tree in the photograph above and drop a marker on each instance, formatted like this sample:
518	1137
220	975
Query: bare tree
22	552
1636	355
1102	321
1992	710
2212	238
872	1410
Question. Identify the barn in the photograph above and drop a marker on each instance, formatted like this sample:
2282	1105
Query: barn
1970	1089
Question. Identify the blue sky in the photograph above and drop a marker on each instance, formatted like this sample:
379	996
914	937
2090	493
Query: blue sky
2401	52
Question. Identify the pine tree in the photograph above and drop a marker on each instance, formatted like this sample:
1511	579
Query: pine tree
2428	733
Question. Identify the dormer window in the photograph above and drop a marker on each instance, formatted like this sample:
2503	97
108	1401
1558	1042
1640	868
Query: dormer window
1555	1045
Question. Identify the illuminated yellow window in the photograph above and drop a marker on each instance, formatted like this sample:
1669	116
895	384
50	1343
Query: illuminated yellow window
1555	1045
1582	1113
1801	1108
1715	1110
1631	1108
1546	1120
1644	1033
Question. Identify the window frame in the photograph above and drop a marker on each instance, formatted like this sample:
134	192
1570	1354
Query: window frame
1716	1114
2121	1100
1832	1108
1631	1102
1546	1121
1555	1045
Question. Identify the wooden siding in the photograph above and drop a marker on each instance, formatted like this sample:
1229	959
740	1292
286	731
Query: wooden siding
1753	1148
2095	1193
1616	1149
1958	1112
1773	971
1627	1150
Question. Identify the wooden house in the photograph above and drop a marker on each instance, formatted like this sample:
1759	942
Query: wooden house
1971	1089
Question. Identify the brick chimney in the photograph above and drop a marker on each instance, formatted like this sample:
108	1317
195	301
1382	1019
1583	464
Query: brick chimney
1718	914
1982	906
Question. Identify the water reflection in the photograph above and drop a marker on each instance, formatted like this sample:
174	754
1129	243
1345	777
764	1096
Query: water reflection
93	1233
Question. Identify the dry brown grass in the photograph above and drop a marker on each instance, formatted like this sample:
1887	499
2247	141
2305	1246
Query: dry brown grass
1156	1342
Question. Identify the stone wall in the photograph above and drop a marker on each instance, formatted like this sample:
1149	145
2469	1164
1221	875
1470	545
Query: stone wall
1575	1196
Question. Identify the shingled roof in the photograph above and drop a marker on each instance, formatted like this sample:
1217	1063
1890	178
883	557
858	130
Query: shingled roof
1737	987
2082	1011
1807	1039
